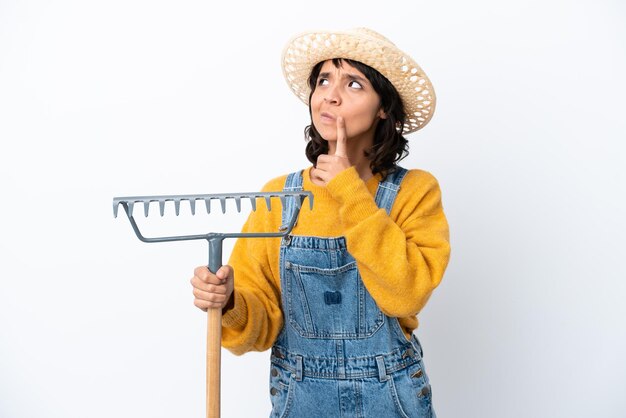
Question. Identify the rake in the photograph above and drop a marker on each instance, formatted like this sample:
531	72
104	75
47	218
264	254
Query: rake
215	240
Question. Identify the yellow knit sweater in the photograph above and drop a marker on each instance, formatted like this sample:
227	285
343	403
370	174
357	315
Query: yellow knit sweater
401	257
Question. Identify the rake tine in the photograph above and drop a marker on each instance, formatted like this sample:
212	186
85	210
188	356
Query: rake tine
130	202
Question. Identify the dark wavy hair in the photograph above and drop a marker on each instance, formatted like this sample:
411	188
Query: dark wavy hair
389	145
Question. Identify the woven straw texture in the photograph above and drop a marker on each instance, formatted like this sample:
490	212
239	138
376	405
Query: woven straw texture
303	51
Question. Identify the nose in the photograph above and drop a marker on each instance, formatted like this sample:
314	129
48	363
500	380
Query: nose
332	96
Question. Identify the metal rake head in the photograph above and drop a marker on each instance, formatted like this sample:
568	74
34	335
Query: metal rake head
129	202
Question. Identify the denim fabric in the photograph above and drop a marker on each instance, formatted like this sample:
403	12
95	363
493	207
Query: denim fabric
338	355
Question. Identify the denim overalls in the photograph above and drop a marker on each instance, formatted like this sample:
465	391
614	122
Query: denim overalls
338	355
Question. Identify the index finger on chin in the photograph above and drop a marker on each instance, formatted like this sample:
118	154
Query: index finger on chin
341	150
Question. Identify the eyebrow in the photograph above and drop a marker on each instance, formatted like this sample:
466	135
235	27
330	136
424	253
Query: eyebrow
349	76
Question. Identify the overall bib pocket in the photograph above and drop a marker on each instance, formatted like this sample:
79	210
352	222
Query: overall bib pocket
330	303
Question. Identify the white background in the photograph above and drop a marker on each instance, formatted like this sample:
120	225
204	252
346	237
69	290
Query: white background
112	98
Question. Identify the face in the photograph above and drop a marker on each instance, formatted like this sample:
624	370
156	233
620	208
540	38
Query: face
345	92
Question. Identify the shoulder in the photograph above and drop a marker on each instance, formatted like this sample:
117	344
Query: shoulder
262	219
419	194
417	179
277	183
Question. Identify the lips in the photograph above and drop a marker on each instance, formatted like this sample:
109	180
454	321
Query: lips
327	116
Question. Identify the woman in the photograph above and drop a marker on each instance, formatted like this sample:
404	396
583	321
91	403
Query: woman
337	299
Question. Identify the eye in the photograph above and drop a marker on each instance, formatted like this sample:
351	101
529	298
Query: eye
322	82
355	84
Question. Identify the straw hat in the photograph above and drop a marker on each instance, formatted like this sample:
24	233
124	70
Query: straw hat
305	50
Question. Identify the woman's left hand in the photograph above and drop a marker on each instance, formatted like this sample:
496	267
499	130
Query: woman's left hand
328	166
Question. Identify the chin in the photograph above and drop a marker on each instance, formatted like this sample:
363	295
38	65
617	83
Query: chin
327	134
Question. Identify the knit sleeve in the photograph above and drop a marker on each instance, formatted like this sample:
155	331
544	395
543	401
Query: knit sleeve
402	257
254	321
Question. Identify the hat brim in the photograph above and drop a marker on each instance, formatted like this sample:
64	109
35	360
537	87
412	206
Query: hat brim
307	49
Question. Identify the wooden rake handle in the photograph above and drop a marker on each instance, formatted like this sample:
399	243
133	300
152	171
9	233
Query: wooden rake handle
214	338
213	362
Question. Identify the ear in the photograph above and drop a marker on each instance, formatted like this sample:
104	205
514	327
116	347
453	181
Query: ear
382	114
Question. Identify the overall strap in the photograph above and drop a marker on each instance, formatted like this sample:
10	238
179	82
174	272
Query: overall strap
388	189
292	184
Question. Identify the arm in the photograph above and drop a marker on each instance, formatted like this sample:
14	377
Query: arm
254	318
402	257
